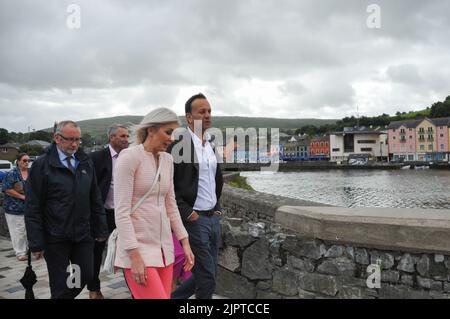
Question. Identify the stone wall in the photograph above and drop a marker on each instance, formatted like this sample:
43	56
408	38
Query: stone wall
266	255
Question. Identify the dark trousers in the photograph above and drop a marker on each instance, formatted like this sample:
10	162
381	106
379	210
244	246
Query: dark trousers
99	247
204	238
58	256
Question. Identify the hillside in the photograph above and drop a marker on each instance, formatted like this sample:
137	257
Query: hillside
98	127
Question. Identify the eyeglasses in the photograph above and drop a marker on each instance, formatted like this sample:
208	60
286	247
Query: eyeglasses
71	139
26	161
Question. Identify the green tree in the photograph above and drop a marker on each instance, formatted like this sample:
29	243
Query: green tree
31	150
4	136
88	140
40	135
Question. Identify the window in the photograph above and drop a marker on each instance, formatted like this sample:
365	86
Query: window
367	141
442	146
336	149
410	157
366	149
410	137
410	129
421	137
402	131
441	127
430	147
422	147
442	135
421	130
393	137
393	130
4	150
430	129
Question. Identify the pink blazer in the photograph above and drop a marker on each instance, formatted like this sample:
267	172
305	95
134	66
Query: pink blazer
149	227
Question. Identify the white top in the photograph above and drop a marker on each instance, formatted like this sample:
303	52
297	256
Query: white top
109	201
207	162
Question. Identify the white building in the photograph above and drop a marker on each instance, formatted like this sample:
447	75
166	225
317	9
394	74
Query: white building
371	141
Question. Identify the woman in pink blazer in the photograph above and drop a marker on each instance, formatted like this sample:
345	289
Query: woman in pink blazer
145	248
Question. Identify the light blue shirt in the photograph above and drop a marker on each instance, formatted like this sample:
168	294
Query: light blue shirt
62	158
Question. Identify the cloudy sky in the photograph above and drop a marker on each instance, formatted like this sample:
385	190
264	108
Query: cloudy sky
270	58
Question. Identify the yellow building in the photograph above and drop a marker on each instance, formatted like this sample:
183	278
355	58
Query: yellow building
425	139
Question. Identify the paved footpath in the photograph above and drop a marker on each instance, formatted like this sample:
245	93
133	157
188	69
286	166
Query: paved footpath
11	270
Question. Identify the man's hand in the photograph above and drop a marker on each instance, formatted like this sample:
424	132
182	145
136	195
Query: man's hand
37	255
100	239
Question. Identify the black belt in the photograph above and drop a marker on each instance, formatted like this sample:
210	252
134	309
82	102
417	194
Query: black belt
109	210
207	213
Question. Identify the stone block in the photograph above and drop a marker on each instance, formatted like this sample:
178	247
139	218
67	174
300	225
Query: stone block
304	265
337	266
285	282
387	259
234	286
335	251
322	284
407	280
407	263
423	266
313	249
390	276
255	261
229	259
362	256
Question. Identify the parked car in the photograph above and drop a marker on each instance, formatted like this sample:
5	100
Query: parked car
5	167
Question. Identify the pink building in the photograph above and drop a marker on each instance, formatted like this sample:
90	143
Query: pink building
402	140
442	134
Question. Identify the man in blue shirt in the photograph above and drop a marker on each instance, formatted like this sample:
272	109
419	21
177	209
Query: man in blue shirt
64	211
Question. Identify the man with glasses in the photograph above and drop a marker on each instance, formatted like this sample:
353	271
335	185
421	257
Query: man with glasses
104	162
64	212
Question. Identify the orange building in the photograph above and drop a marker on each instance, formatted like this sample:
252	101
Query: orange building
319	148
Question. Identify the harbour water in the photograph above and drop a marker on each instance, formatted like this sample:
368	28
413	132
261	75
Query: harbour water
360	188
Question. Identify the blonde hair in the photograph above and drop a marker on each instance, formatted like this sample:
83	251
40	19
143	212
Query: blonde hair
156	119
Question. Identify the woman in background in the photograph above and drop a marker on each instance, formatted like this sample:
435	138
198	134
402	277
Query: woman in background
14	205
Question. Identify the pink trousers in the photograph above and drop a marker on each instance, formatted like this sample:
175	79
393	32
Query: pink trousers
158	285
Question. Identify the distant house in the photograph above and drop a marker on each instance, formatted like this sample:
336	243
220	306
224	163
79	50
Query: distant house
43	144
9	151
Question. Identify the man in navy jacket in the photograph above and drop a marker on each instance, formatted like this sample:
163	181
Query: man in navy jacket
64	212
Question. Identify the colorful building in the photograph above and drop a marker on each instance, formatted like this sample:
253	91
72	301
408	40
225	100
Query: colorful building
419	140
319	147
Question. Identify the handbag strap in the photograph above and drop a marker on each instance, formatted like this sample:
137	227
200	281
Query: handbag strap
158	172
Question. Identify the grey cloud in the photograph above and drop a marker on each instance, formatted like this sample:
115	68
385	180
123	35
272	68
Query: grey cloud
130	56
